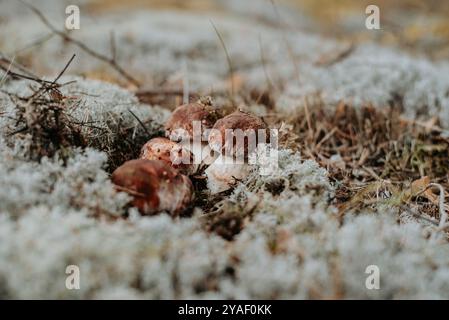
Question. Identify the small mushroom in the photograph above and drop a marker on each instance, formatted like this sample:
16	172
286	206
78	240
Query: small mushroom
154	186
189	124
171	153
235	136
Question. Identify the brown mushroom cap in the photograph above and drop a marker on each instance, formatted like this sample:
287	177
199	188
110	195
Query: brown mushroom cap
171	153
180	123
154	186
236	120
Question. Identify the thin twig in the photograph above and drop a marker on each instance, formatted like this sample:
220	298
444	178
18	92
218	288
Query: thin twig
17	75
53	85
326	61
17	131
64	69
111	61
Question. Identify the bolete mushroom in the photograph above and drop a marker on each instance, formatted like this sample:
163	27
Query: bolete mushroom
235	137
189	124
238	134
171	153
154	186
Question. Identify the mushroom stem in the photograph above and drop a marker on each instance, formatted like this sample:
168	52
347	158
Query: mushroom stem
224	172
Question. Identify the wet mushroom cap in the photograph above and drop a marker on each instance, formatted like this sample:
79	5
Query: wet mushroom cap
170	152
154	186
180	124
236	120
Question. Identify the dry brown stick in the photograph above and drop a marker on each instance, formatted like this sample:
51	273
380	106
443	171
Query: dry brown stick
16	65
53	85
111	61
22	76
27	74
64	69
325	61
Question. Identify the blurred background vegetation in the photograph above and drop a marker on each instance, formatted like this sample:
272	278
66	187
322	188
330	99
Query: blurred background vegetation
418	26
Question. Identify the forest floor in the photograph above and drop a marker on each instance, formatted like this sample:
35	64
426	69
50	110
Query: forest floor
363	175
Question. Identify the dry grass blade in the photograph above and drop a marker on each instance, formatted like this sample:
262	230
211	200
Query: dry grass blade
3	79
140	122
7	65
373	156
228	59
287	44
326	60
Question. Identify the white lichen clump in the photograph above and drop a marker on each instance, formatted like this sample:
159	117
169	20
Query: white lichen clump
293	247
282	175
377	76
81	183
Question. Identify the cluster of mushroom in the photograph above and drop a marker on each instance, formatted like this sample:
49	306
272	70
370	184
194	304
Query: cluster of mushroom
159	180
